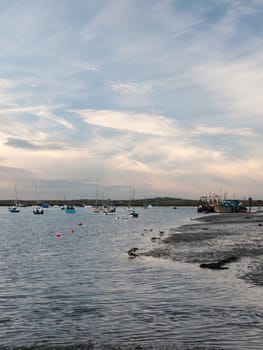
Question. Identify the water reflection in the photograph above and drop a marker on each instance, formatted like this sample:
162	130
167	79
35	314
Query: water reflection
81	288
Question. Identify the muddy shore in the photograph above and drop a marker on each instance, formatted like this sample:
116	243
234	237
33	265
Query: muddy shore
214	238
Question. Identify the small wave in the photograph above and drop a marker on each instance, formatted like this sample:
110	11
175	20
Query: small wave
119	346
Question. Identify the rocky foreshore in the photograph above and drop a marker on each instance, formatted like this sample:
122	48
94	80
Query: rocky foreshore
219	241
232	218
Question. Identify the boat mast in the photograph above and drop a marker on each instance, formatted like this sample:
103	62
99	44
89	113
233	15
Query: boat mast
38	193
16	193
97	195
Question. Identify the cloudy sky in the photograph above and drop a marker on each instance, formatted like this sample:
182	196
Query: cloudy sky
161	96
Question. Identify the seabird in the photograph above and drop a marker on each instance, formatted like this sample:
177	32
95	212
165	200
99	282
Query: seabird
132	252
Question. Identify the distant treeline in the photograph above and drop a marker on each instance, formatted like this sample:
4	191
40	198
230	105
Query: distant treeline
157	201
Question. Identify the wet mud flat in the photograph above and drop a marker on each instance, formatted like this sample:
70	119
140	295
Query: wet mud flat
234	241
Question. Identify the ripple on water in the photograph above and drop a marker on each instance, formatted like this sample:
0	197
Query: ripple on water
82	292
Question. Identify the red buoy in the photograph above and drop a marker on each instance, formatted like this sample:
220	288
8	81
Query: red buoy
58	234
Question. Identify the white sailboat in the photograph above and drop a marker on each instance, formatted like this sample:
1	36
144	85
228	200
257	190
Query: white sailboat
37	208
129	208
96	208
133	214
14	208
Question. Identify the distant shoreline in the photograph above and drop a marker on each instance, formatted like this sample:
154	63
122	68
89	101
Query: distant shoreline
142	202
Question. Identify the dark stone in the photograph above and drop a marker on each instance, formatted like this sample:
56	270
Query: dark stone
214	266
219	265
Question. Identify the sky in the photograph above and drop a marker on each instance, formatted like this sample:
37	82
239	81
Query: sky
163	97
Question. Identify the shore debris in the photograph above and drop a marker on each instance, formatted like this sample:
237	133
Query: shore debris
154	239
220	264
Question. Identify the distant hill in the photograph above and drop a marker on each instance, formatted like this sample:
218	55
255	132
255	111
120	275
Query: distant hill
156	201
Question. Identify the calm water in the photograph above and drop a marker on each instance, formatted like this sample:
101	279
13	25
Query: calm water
81	288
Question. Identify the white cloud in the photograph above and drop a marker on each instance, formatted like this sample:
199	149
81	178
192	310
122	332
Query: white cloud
208	130
6	84
236	86
133	122
201	65
86	67
126	88
19	110
61	121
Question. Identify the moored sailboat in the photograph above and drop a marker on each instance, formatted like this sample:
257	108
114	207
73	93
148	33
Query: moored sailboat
70	209
14	208
37	208
133	213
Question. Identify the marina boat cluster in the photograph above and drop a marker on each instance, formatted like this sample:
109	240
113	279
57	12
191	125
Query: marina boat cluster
217	204
39	209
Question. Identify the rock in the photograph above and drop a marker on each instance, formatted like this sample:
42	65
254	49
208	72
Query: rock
215	266
219	265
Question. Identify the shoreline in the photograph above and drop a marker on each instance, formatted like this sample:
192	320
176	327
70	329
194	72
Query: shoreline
233	238
231	217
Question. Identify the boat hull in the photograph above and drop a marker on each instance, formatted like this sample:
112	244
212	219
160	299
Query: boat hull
38	210
70	210
14	210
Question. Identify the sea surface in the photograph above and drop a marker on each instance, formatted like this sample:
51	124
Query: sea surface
82	291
